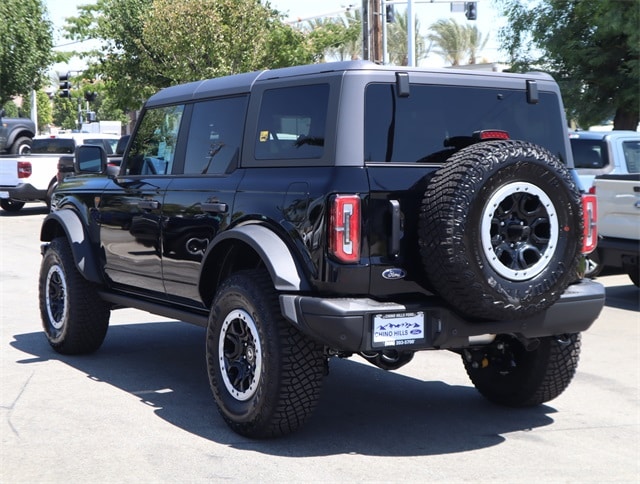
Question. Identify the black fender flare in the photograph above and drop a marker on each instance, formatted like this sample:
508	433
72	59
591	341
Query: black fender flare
286	273
74	230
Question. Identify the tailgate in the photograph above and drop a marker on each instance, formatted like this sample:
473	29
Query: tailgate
8	172
618	206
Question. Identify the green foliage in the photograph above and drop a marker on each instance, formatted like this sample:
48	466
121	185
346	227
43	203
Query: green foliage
591	47
45	111
456	43
339	37
11	110
397	35
25	47
150	44
65	113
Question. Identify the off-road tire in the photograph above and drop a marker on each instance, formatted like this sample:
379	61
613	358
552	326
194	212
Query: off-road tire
500	230
10	205
74	317
265	375
515	377
18	146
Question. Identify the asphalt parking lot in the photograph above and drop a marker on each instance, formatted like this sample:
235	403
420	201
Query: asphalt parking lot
140	409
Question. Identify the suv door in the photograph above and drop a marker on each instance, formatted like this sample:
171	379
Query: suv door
199	201
131	206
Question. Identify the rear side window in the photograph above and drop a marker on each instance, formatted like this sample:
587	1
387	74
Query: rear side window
215	135
631	150
419	127
589	153
153	148
292	123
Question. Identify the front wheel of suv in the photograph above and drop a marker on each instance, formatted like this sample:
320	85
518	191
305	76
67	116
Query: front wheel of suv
74	317
510	374
265	375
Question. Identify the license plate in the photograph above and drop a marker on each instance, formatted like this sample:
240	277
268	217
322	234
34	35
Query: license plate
398	329
4	194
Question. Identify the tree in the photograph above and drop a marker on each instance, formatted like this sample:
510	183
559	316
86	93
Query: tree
45	111
591	47
25	47
477	42
397	34
457	43
65	113
339	38
151	44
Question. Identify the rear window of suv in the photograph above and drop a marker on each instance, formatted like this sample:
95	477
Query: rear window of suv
417	128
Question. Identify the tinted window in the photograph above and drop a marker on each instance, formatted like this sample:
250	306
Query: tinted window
292	123
53	145
631	151
589	153
215	135
153	148
419	127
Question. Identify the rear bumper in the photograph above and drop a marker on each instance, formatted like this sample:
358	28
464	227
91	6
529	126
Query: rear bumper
25	192
346	324
618	252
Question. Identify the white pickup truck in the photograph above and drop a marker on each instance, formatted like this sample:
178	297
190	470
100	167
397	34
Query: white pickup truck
600	153
31	177
619	222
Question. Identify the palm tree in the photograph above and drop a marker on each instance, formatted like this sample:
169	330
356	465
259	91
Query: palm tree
397	41
451	40
476	42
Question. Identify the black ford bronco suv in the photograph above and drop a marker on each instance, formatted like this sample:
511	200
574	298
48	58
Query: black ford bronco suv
328	210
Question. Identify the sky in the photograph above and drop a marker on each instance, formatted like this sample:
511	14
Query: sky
427	12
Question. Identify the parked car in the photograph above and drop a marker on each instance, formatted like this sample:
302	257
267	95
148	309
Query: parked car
32	177
322	211
597	153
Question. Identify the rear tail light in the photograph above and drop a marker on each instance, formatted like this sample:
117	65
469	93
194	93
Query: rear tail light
590	214
344	228
24	169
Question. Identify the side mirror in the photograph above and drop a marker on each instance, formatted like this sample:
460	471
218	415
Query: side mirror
90	159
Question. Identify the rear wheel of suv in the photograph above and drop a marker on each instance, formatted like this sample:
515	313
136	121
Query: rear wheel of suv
501	230
265	375
509	374
11	205
74	317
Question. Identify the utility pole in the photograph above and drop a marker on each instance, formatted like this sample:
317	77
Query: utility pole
376	31
372	31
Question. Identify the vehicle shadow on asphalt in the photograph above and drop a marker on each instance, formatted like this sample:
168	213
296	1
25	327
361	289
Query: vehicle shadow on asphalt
363	410
626	296
27	210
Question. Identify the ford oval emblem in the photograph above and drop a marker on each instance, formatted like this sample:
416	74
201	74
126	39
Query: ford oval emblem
394	273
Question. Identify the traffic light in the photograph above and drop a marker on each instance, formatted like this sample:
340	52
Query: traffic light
90	96
64	85
390	14
471	10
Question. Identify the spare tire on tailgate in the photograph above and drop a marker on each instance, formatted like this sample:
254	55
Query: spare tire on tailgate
501	230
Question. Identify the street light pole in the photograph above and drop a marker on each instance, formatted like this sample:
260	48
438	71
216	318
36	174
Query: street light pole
411	36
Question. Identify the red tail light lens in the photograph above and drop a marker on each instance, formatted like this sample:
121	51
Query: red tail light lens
489	134
24	169
344	228
590	215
